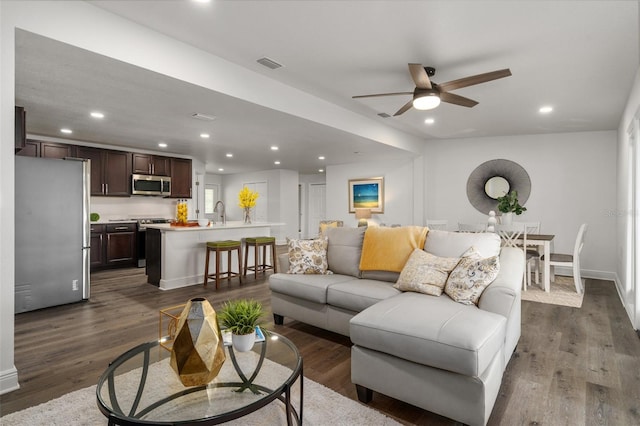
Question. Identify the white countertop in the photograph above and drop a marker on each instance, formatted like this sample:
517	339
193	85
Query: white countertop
217	226
112	221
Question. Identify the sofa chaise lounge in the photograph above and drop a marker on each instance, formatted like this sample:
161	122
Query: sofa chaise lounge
429	351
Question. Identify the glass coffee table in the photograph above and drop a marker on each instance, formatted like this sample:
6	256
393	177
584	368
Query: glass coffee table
140	388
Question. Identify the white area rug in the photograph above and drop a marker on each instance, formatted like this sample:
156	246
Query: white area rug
563	292
322	406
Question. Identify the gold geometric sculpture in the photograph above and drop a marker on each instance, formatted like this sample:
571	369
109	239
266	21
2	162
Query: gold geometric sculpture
197	354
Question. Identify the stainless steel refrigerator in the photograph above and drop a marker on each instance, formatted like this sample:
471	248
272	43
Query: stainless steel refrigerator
52	232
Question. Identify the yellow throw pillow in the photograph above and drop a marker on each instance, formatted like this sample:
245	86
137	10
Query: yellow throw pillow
388	249
426	273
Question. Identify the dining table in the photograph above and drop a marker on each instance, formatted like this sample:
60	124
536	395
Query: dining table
542	241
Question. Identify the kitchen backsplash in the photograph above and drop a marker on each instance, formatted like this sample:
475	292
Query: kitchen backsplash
110	208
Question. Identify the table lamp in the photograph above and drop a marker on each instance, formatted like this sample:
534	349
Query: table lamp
362	215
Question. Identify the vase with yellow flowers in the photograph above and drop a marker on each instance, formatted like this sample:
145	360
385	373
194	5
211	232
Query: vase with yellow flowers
247	200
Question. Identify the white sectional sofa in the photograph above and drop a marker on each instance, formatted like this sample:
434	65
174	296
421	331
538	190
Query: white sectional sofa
431	352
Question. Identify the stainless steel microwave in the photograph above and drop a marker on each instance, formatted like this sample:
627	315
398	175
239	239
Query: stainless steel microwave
150	185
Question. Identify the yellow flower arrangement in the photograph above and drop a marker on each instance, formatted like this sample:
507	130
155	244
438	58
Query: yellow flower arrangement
247	198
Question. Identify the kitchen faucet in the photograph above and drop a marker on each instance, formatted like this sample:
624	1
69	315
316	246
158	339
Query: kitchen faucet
223	215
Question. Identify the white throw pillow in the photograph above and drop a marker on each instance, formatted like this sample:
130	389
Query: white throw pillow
471	276
426	273
308	256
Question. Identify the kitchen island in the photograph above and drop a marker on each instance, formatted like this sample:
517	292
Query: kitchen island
176	254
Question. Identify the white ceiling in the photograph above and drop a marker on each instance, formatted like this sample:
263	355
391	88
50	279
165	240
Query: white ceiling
578	56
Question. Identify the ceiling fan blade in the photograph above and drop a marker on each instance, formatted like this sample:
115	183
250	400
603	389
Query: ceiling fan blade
474	79
405	108
457	99
420	77
382	94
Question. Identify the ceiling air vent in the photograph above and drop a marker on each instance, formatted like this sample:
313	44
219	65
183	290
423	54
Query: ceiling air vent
384	115
269	63
204	117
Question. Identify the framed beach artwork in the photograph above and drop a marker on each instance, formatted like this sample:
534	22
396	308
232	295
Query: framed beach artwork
366	193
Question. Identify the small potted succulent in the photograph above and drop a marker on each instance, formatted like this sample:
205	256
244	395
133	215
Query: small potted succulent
241	317
508	204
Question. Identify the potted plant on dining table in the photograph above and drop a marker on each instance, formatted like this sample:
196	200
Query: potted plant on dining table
508	204
241	317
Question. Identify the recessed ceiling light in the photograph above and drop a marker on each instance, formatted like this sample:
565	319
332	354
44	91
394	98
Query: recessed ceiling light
67	131
229	155
204	135
202	1
429	121
276	162
321	157
162	145
97	114
221	170
274	148
321	170
545	110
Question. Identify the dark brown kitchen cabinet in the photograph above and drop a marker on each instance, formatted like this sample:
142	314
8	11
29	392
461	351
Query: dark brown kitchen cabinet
97	245
180	178
20	128
34	148
31	149
110	171
121	244
151	164
113	245
56	150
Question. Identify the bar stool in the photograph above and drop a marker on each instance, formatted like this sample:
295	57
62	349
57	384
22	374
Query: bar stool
219	247
260	266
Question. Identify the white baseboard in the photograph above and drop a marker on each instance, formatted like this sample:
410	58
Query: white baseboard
587	273
604	275
9	381
626	306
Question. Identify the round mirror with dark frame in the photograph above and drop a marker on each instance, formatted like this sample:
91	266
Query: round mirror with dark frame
494	179
496	186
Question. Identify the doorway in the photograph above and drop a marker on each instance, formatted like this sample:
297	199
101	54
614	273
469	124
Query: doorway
317	207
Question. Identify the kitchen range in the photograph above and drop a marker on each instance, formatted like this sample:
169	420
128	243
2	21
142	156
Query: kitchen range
141	227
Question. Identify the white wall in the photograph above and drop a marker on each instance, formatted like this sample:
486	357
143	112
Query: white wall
282	199
8	372
573	180
400	205
628	287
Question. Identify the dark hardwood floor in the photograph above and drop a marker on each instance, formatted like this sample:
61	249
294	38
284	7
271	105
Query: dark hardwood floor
572	366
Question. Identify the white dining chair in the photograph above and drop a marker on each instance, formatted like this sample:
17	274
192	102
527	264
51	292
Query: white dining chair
571	260
440	224
515	235
532	227
533	254
472	227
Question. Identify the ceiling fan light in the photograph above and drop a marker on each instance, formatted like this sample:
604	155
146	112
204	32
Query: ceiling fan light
428	99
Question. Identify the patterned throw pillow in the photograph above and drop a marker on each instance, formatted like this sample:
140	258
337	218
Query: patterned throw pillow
469	279
425	273
308	256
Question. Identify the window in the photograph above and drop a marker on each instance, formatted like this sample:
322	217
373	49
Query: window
209	200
